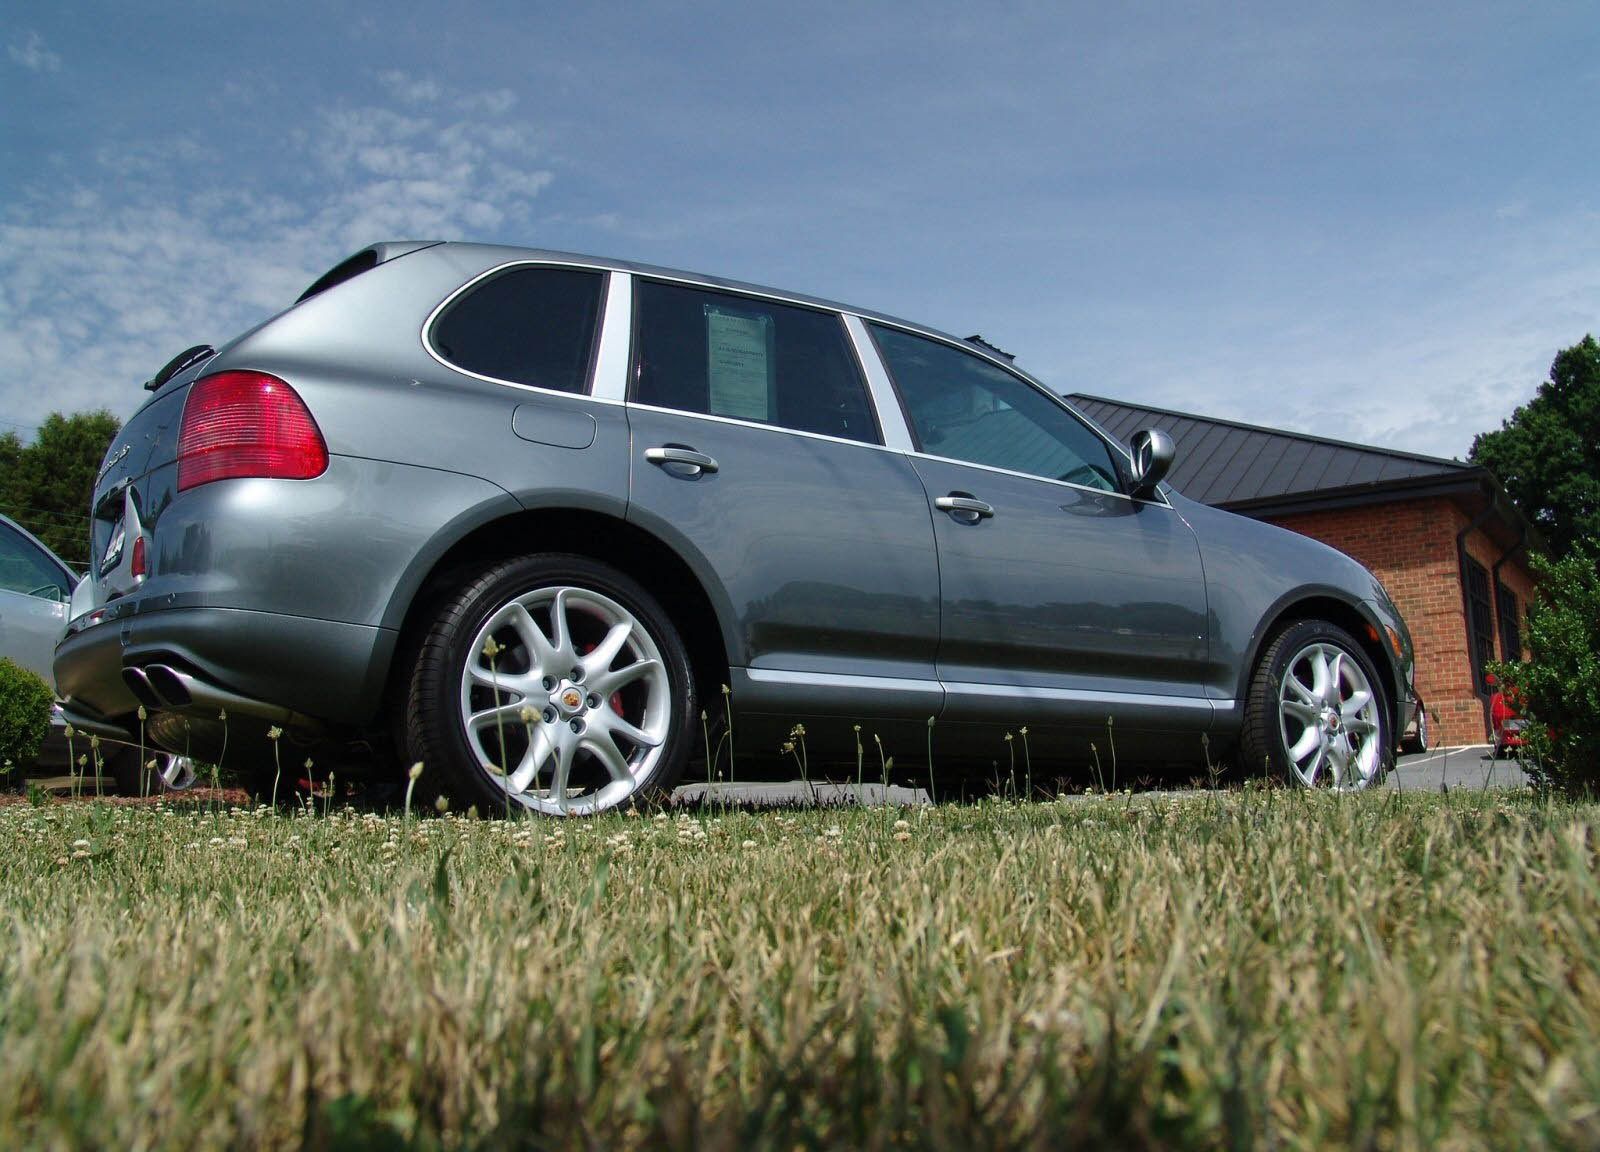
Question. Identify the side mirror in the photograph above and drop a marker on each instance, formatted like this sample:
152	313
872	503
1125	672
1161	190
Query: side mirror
1152	457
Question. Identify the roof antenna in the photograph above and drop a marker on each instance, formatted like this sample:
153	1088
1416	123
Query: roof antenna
1000	352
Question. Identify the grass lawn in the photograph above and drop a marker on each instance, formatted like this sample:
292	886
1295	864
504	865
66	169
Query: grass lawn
1248	969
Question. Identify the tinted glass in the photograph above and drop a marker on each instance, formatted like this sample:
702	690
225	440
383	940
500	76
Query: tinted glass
749	359
527	325
966	408
24	568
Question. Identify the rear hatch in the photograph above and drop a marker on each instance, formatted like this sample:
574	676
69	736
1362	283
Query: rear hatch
146	443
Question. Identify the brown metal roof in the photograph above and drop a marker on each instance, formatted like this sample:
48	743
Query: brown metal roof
1226	463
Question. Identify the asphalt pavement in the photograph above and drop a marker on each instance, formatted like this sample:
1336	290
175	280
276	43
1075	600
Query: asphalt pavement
1471	767
1444	769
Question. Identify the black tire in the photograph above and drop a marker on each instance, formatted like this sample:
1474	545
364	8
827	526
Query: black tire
1268	732
434	727
1417	742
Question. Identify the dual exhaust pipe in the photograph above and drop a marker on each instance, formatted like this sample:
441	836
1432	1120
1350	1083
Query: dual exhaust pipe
161	686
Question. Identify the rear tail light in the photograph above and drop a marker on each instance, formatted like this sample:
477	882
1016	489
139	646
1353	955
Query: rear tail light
136	565
238	424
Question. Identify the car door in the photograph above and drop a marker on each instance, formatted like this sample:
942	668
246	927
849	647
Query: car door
757	455
1063	600
34	590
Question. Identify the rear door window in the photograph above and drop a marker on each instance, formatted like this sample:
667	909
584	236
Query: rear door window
526	325
746	358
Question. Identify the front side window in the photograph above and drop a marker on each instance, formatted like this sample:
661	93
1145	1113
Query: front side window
527	325
24	568
747	359
963	407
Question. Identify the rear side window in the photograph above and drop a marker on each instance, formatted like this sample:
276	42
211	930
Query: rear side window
532	326
747	359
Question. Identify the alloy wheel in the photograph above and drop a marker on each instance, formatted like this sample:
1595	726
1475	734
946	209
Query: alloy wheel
1328	719
565	700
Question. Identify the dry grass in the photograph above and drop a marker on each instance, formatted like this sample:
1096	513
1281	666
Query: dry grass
1250	969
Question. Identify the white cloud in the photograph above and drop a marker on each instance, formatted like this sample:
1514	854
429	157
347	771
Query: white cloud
31	53
104	275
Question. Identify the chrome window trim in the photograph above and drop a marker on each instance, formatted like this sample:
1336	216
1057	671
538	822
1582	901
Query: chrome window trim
1023	377
1162	503
876	447
881	390
579	265
610	382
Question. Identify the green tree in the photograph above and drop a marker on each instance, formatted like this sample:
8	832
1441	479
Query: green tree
1548	454
1558	690
46	485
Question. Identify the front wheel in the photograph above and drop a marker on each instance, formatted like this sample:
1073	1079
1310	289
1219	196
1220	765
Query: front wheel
1315	712
552	683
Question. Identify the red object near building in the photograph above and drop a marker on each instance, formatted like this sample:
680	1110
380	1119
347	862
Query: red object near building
1505	722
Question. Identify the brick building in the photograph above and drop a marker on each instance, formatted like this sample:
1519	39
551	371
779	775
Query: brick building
1441	535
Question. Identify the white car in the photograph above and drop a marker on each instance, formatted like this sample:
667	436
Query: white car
35	590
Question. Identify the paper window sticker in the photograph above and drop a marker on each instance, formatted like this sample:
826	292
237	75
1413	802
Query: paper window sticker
739	364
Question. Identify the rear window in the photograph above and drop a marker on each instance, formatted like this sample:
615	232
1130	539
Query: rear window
533	326
747	358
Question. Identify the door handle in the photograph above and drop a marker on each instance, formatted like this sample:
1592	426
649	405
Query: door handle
962	506
693	463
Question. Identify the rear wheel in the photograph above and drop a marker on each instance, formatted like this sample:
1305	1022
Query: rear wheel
161	772
553	683
1315	714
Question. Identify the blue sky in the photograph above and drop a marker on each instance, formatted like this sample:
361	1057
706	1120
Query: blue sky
1371	222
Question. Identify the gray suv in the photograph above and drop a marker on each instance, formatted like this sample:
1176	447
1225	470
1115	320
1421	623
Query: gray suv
545	522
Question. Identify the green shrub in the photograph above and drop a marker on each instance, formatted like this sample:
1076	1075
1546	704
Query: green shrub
25	702
1558	689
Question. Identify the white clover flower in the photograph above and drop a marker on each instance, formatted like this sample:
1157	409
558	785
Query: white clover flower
748	844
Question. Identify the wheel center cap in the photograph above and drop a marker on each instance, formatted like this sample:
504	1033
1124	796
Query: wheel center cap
569	700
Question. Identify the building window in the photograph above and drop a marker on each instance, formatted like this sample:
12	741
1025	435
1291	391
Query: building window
1480	617
1510	622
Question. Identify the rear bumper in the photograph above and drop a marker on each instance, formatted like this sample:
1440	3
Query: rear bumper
319	669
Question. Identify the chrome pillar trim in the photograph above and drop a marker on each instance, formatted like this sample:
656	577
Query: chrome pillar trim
616	332
891	419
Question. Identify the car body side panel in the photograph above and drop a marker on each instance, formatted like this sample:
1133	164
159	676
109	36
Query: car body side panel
1256	572
820	550
29	629
336	551
1066	588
